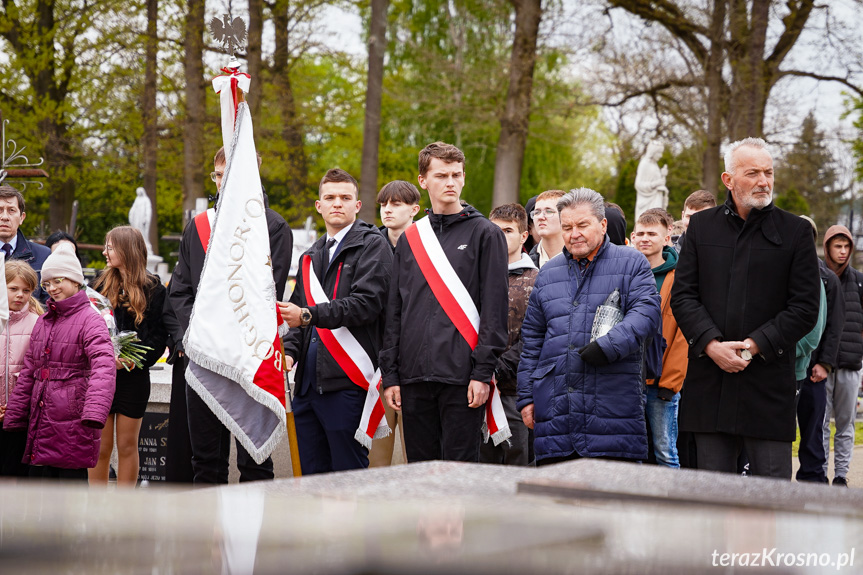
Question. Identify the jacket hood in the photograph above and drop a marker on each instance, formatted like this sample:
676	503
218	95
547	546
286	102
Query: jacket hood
831	233
467	211
525	263
360	229
670	255
616	227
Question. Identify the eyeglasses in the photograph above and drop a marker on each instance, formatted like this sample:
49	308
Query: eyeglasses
547	211
216	176
48	283
109	248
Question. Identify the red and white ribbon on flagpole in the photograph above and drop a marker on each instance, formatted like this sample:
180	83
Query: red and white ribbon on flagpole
354	361
227	85
456	302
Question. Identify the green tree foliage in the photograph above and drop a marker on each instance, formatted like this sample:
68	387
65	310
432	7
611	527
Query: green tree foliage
445	80
793	201
806	178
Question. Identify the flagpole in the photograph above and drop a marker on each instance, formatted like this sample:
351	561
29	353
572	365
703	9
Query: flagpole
293	445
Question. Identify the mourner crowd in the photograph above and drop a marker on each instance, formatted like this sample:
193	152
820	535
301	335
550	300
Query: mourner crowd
703	343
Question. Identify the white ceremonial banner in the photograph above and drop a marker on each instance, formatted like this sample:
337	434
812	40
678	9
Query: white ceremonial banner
236	359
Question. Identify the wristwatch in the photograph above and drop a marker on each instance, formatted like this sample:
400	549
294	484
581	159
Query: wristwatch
305	316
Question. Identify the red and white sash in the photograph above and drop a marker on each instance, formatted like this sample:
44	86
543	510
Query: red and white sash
459	307
353	359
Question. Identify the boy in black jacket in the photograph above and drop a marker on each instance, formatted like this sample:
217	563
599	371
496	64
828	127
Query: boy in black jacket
209	438
431	371
352	265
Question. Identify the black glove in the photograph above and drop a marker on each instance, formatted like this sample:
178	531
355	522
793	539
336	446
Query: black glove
592	354
664	394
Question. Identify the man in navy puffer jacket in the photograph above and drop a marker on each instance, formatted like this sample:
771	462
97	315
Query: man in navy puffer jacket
583	398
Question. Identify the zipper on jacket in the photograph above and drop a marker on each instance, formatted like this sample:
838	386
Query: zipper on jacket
6	375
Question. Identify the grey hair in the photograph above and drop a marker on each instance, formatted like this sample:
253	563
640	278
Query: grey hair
733	146
581	196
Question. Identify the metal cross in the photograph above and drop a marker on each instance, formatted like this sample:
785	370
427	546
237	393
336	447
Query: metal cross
14	164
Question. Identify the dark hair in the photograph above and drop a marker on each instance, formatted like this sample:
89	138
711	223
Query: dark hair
699	200
442	151
614	206
399	191
220	157
511	213
655	216
337	175
10	192
62	236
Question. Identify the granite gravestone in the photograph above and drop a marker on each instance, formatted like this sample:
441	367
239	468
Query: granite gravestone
153	446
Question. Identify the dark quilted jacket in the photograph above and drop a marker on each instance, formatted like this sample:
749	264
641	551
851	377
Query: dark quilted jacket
596	411
851	341
68	379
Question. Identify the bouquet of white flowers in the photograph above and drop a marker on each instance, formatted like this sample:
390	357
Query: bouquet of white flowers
126	343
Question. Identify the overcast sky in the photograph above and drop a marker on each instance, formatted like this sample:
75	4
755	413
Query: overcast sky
342	30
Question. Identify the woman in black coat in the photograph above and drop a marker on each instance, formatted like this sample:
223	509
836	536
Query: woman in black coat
138	298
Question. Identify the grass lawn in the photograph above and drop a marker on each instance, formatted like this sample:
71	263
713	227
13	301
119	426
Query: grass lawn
858	436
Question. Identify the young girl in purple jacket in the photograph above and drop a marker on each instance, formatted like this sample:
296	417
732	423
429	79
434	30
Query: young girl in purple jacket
66	386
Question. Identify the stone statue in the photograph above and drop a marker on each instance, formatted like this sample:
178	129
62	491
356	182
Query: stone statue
650	180
141	215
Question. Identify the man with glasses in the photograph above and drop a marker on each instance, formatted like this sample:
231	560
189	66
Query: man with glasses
209	438
547	222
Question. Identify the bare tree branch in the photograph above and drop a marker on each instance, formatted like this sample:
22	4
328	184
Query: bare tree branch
822	78
672	18
795	22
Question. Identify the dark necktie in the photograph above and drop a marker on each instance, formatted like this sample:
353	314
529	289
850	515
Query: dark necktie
582	264
330	243
8	250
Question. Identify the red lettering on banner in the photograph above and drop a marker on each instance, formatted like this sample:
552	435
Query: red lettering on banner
270	378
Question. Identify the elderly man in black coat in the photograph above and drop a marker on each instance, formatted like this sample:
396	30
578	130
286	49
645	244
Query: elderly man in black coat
747	288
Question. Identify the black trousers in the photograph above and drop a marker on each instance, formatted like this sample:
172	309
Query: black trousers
326	425
50	472
438	424
211	447
12	447
811	405
178	463
720	452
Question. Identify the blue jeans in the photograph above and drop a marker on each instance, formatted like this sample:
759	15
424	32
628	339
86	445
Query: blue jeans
662	418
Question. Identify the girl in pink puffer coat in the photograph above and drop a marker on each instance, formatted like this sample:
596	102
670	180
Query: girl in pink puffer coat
24	310
66	386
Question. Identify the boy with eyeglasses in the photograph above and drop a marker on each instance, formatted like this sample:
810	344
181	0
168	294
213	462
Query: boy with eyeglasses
547	222
209	437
